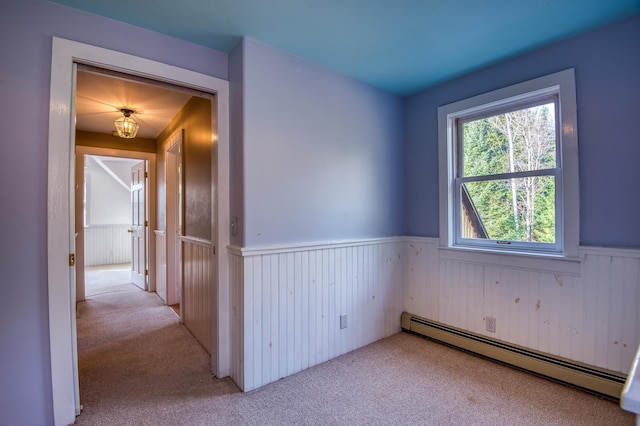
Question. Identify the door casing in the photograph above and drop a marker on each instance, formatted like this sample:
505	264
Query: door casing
60	208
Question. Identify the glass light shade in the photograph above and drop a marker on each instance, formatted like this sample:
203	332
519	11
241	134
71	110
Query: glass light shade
126	126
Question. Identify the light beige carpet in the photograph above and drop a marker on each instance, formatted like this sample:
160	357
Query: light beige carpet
139	366
102	279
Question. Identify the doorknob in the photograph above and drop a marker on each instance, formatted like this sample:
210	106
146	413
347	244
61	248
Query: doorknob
129	230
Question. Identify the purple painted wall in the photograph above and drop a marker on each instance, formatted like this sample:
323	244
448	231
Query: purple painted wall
26	28
322	153
236	126
607	67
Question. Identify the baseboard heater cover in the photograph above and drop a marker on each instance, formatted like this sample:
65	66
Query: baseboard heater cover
590	378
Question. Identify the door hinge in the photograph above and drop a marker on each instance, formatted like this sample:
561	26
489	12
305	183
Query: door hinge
146	174
146	223
146	272
72	259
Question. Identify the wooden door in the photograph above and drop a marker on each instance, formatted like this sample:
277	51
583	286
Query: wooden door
138	226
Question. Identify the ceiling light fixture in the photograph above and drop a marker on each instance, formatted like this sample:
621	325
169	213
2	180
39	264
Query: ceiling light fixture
126	126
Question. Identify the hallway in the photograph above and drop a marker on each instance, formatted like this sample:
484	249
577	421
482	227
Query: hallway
136	360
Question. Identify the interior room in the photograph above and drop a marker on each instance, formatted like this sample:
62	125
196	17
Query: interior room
327	177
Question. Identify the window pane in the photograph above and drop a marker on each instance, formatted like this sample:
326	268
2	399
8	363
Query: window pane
516	141
520	209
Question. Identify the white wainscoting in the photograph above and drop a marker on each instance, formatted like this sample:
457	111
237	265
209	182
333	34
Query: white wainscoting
197	256
107	244
592	317
161	265
236	331
287	303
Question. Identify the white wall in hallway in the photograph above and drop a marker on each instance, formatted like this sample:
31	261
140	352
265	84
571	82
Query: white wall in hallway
107	201
107	244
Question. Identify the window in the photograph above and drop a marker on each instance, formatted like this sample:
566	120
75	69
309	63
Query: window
509	169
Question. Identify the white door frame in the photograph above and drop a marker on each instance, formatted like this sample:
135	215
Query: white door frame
60	205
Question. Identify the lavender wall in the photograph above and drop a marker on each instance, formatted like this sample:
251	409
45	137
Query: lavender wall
26	28
236	126
607	66
322	153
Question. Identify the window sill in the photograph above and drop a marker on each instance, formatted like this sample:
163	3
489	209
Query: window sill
539	262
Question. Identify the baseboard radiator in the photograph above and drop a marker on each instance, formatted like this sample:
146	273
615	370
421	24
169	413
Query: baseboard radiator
590	378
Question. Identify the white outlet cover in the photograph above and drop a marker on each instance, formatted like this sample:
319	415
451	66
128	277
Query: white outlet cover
343	321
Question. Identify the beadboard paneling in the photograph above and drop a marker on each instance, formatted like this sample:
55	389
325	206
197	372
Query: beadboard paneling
236	279
161	265
591	317
287	301
287	304
107	244
197	287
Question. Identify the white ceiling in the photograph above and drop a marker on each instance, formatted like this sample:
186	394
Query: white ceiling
99	98
118	168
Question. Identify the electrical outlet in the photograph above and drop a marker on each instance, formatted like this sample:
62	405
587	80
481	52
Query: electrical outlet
343	321
491	324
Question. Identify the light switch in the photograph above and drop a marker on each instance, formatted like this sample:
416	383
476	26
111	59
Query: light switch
234	226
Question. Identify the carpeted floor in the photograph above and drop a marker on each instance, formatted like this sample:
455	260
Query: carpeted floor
103	279
139	366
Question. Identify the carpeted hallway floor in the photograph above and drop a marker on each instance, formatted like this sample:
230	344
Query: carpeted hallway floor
139	366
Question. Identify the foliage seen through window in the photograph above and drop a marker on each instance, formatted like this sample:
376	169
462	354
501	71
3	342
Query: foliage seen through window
507	172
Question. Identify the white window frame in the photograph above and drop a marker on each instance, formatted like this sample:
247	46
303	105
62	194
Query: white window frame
560	84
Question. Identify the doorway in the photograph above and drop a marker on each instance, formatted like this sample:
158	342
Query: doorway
174	220
61	239
104	214
108	203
